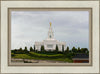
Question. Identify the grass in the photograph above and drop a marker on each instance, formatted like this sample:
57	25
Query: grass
38	56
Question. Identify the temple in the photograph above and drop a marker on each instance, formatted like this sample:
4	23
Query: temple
50	43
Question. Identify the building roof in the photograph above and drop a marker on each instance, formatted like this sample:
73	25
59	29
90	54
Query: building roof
81	56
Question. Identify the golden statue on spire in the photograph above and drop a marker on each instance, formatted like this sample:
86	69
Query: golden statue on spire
50	24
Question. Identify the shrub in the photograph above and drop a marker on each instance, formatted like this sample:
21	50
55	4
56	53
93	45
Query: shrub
12	54
46	56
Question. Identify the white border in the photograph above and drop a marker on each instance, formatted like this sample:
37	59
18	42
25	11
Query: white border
49	69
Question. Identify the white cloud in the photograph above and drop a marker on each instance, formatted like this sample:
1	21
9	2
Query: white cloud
31	26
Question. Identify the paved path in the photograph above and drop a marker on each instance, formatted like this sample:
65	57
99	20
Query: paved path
35	61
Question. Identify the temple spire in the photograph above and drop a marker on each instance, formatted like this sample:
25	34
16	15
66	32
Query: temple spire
50	24
50	32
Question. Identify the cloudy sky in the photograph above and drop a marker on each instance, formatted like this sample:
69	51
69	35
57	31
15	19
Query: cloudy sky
30	26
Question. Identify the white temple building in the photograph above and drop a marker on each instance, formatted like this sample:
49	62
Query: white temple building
50	43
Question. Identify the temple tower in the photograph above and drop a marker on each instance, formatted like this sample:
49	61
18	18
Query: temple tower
50	32
50	43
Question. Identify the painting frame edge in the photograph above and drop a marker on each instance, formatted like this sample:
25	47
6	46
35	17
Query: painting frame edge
50	73
50	9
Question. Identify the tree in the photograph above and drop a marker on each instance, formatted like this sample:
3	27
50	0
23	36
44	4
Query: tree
84	50
79	50
88	52
56	49
20	49
42	48
15	51
34	48
67	49
62	48
25	50
74	50
31	49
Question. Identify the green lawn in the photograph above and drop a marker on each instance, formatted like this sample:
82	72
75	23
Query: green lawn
38	56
